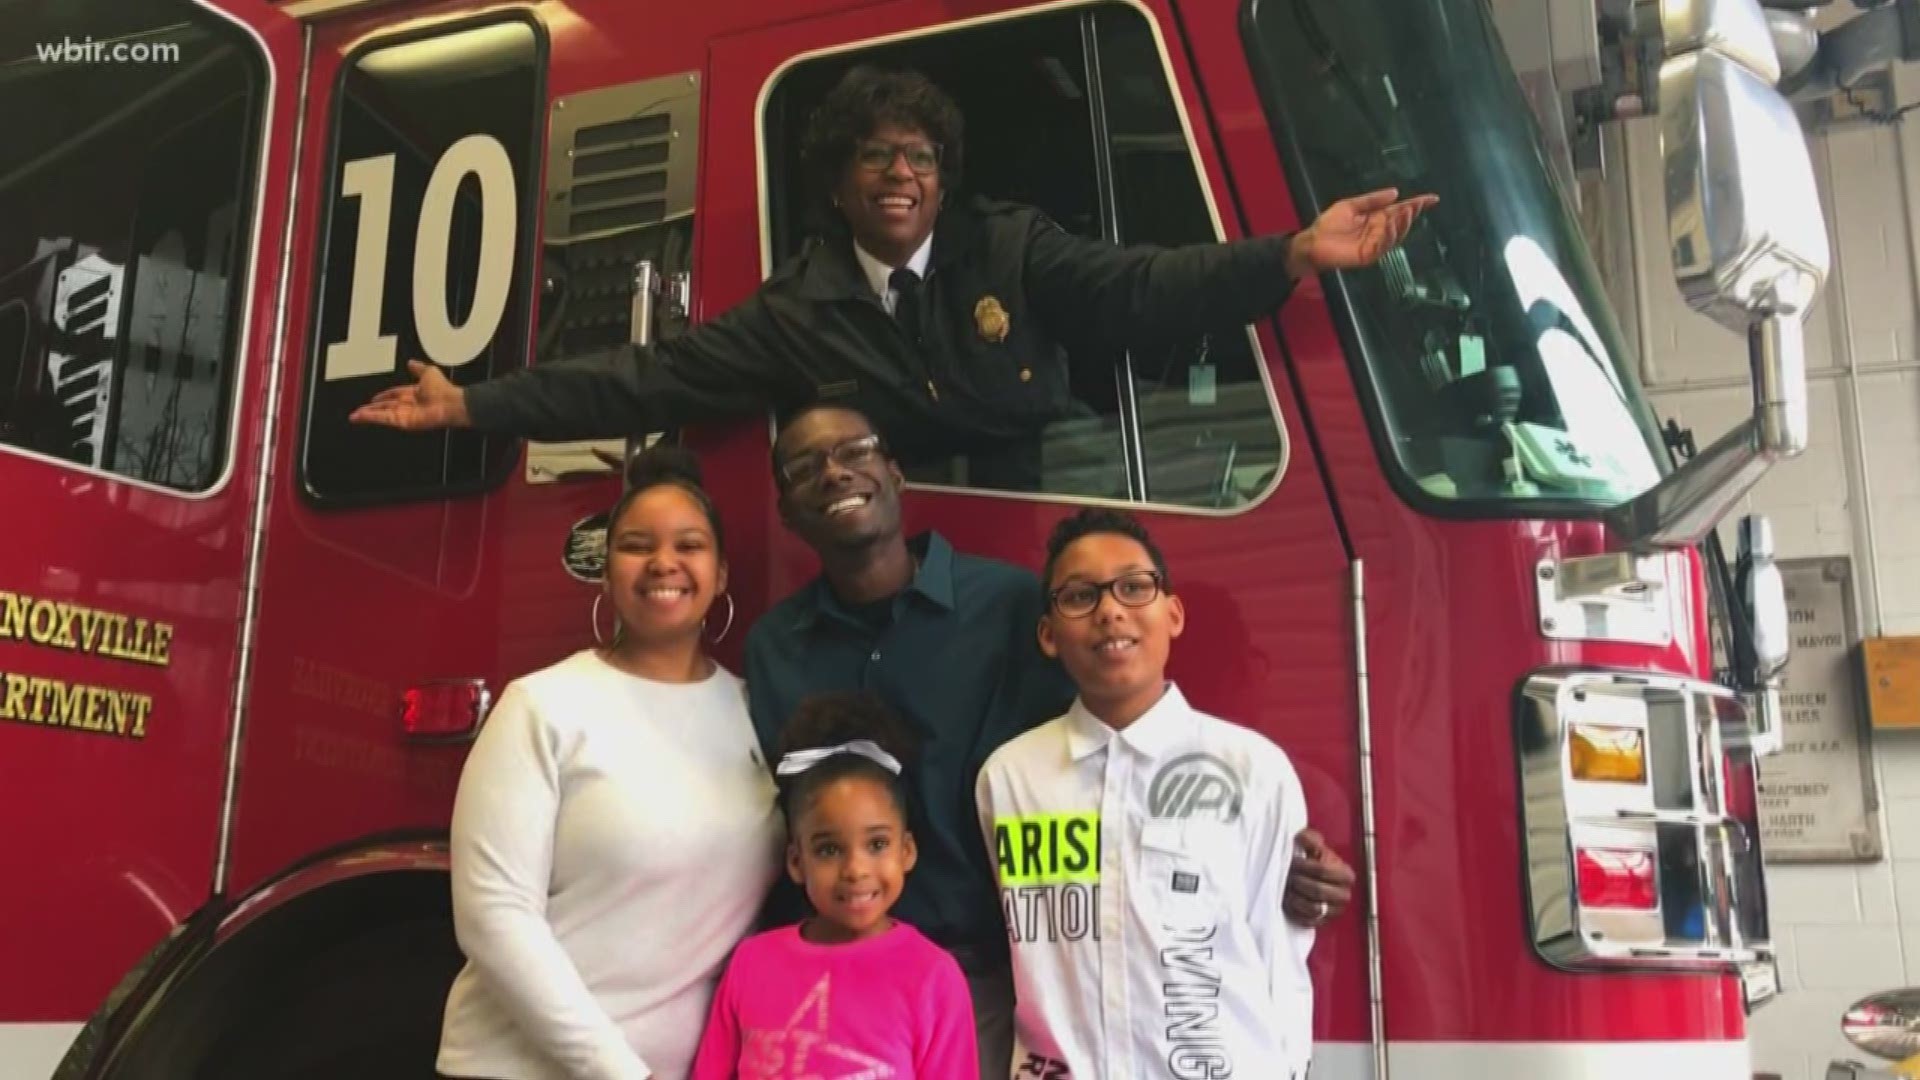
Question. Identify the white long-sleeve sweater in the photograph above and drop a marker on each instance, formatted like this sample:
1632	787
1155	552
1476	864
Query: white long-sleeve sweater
613	838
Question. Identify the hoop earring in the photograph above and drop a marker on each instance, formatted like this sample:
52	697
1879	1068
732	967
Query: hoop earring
594	620
717	638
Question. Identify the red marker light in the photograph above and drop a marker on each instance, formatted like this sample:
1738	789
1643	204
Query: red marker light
1616	878
445	710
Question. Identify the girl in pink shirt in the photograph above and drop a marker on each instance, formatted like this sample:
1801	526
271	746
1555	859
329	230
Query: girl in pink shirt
849	993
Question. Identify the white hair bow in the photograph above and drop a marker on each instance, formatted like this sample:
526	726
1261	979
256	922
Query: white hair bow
799	761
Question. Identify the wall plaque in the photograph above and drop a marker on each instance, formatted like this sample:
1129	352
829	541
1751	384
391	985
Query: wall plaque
1817	802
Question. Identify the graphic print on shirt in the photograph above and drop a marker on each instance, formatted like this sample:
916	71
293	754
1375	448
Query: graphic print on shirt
1049	869
1193	787
1191	982
1196	784
802	1051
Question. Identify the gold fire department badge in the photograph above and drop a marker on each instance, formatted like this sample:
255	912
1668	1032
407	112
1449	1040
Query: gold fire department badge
991	320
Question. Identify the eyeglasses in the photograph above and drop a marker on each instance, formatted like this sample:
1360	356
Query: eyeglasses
1078	599
922	158
805	468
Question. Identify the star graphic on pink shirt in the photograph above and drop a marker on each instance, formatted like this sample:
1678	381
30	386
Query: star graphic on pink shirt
795	1052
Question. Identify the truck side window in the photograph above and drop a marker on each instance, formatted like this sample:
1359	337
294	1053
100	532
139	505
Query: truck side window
1073	112
126	200
427	252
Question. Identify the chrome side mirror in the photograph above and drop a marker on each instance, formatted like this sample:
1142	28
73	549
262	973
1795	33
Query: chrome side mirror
1749	250
1760	656
1743	213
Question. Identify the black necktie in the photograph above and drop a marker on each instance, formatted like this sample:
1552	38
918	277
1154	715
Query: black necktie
906	305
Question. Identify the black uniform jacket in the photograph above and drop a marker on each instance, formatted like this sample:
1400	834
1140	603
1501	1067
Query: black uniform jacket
1006	292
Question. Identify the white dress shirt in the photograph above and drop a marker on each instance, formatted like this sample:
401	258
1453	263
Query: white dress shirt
879	274
613	839
1141	875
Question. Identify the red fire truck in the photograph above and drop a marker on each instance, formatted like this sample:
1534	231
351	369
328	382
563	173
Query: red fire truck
1427	530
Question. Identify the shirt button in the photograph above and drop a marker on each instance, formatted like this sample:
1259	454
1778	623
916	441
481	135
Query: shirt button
875	656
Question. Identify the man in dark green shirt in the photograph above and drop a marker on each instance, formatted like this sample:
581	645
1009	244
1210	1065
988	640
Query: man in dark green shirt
948	639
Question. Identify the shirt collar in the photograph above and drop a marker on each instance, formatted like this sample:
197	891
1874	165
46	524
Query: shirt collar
879	273
1152	734
933	580
829	268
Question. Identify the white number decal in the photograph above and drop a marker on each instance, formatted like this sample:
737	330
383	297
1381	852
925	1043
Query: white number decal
368	352
486	159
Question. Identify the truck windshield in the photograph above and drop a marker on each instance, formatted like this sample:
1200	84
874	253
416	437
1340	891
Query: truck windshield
1495	370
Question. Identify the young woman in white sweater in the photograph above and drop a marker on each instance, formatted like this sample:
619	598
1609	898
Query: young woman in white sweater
615	830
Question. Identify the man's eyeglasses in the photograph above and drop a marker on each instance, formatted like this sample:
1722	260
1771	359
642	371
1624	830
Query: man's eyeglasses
1078	599
922	158
805	468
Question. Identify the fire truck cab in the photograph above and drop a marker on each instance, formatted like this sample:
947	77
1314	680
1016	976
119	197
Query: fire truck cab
1428	534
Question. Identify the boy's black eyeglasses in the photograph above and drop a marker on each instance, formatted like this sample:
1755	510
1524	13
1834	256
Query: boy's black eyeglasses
805	468
1078	599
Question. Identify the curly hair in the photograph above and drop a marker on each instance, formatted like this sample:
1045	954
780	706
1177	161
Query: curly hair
1095	520
865	98
831	719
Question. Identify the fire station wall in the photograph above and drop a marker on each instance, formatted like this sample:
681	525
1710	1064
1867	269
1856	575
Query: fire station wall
1843	930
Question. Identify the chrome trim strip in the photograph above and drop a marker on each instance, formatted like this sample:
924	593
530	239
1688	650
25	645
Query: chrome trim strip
1369	843
264	478
384	858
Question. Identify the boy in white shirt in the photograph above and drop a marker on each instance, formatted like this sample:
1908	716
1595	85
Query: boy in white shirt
1142	847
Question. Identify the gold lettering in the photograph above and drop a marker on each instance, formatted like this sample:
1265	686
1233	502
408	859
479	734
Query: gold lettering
75	706
117	702
86	694
99	697
13	614
80	628
67	705
79	706
40	688
41	625
15	706
90	628
118	647
64	639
